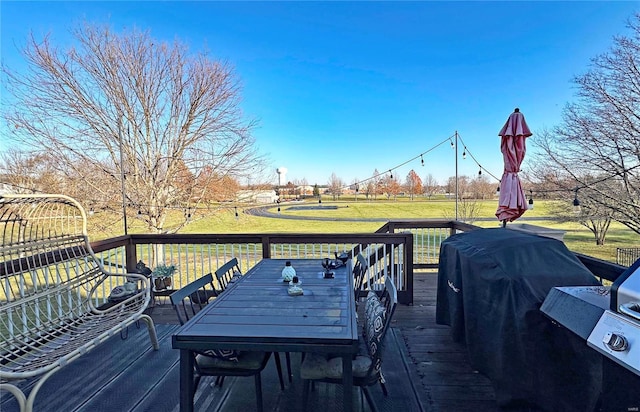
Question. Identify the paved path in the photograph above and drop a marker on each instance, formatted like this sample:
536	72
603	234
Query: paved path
263	211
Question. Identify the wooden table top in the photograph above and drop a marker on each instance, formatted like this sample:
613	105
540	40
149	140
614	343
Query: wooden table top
257	313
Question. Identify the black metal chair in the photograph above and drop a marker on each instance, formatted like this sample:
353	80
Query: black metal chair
367	364
360	269
197	298
226	273
190	299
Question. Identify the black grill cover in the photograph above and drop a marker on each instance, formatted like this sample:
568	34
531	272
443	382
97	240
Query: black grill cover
491	284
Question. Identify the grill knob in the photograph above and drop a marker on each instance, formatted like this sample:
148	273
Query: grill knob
615	342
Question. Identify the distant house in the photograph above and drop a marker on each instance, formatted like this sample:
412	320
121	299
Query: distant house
304	190
256	196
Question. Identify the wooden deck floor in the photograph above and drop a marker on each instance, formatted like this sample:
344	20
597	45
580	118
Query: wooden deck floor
425	364
446	380
439	367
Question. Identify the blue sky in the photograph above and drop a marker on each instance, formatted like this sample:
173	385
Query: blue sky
349	87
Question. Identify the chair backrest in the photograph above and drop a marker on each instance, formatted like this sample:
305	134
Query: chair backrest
389	296
378	314
225	273
188	300
360	269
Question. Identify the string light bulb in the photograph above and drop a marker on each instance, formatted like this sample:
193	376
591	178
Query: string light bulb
452	145
464	153
498	190
421	160
480	172
530	200
576	203
236	210
390	174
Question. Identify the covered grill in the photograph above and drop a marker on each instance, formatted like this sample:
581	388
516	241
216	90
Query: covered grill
608	319
491	284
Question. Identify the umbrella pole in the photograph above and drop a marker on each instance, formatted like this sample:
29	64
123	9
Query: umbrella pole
504	223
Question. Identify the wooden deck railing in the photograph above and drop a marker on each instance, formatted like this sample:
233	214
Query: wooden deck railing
397	249
390	254
428	234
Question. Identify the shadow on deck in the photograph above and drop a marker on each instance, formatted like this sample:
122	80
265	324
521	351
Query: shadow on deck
424	368
439	367
127	375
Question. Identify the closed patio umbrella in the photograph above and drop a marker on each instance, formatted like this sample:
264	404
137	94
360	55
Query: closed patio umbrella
512	202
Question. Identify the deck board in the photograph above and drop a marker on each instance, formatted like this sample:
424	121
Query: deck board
446	381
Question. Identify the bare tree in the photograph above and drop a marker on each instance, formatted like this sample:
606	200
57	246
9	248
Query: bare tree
430	185
370	189
600	132
335	186
390	186
355	186
127	105
481	188
214	188
28	173
413	183
468	211
450	187
464	190
591	214
289	190
304	184
376	180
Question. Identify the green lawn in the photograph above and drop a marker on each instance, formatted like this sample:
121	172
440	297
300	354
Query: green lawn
223	220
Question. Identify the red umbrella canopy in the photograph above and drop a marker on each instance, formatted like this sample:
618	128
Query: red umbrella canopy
513	202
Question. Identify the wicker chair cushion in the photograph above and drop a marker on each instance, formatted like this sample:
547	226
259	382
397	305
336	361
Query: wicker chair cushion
202	297
375	318
370	303
223	354
245	360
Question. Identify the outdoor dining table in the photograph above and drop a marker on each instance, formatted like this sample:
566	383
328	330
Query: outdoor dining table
257	313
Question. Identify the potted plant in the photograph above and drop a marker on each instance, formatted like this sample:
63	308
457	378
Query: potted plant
162	276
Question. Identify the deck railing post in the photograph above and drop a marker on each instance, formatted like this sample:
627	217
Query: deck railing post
408	265
130	256
266	247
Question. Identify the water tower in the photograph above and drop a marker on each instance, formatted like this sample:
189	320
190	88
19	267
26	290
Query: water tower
282	176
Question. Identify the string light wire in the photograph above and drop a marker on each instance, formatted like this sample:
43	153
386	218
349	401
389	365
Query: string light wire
419	156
